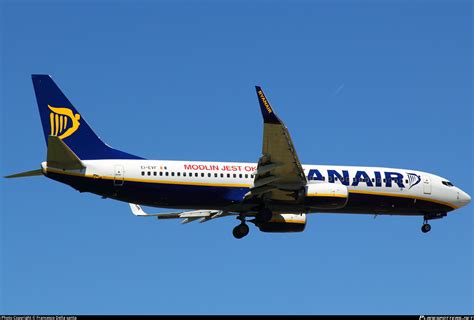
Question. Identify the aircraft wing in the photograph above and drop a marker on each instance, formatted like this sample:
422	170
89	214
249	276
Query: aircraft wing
279	174
187	216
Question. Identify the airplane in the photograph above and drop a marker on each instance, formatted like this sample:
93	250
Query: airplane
275	194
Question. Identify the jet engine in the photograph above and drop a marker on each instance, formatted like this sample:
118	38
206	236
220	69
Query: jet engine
284	222
325	195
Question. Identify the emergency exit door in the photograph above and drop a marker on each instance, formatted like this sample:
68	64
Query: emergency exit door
118	176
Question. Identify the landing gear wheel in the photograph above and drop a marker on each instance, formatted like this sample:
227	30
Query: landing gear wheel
264	216
426	228
241	231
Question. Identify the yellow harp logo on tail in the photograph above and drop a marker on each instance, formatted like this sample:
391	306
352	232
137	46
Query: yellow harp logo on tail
63	122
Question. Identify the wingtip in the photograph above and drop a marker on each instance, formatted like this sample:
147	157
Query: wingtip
137	210
267	111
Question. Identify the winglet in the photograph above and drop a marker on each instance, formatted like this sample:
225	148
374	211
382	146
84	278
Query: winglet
268	113
137	210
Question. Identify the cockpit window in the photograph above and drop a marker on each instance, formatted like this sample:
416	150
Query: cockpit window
447	183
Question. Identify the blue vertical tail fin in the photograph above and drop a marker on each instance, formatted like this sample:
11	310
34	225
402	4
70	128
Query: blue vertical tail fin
61	119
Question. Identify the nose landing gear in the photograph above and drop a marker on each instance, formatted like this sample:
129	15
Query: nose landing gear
426	227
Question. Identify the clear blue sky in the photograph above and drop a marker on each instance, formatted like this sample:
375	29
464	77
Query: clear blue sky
357	83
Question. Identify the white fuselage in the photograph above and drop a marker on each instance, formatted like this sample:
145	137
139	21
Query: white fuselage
206	179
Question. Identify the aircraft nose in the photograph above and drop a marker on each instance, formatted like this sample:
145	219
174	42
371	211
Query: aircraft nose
464	198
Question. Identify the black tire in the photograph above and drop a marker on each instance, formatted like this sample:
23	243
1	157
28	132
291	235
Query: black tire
236	233
240	231
426	228
244	229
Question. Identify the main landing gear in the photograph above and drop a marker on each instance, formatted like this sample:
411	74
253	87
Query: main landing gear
242	229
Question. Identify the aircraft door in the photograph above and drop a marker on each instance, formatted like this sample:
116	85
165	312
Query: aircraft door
118	176
426	185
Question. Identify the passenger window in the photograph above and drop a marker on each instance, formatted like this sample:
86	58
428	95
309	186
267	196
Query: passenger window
149	173
208	175
179	174
246	176
330	179
166	173
222	175
184	174
161	173
195	174
235	175
154	173
202	174
228	175
373	179
172	174
240	175
143	173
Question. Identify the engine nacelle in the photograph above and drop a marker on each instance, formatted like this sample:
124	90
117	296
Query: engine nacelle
285	222
323	195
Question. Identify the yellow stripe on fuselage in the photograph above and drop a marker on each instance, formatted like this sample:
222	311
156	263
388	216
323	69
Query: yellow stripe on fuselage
326	195
287	221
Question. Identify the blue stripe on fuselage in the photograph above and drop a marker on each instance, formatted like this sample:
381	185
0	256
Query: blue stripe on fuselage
156	194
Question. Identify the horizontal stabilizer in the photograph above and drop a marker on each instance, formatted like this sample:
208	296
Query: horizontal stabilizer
31	173
61	156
